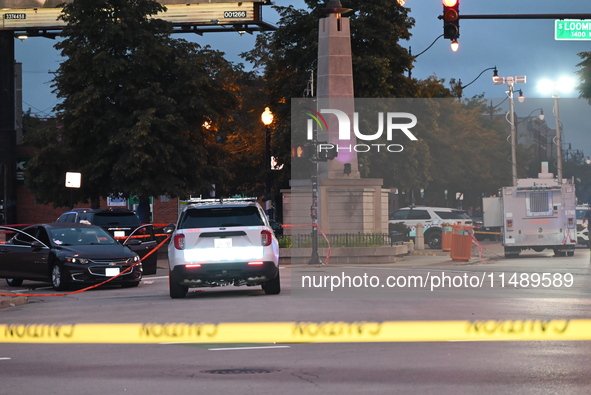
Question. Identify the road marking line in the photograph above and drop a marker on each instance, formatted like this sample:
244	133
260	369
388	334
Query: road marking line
246	348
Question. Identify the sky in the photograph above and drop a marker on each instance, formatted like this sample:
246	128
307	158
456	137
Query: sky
517	47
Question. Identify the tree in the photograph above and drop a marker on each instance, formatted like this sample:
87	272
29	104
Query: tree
287	58
135	106
585	75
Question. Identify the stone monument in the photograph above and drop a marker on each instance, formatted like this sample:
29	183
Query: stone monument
347	203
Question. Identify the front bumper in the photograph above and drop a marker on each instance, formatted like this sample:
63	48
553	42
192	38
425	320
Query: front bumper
95	274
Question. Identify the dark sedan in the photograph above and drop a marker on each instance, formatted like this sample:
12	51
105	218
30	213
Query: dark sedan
67	254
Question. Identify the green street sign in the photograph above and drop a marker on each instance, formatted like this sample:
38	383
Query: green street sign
572	29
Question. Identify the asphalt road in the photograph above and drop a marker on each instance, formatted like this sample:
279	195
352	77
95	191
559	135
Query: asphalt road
442	367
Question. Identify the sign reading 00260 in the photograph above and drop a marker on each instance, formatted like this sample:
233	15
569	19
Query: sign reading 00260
234	14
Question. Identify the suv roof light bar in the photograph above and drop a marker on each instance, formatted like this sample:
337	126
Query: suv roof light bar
221	200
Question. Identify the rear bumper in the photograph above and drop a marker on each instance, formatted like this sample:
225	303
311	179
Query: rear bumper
224	273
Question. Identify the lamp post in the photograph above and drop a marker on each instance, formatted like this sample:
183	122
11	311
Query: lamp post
510	82
565	85
460	88
267	118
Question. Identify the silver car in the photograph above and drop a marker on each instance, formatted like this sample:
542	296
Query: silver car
223	242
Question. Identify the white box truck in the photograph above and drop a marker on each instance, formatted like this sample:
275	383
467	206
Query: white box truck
537	214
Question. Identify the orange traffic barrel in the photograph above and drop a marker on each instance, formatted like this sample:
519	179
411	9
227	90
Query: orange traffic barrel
461	243
446	237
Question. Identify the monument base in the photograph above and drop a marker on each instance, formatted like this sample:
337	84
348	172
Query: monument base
344	206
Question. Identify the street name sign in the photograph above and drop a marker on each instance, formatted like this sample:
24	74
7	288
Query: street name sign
572	29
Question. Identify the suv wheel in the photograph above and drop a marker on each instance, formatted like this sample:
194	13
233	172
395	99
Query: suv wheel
177	291
433	239
272	287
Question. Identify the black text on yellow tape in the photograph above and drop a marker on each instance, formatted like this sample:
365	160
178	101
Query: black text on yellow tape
300	332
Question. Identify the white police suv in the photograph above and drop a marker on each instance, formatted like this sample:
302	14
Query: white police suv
219	242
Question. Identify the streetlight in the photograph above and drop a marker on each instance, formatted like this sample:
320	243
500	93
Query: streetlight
565	85
267	118
461	87
511	81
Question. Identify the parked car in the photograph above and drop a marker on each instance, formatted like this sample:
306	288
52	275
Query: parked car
122	224
65	254
432	218
223	242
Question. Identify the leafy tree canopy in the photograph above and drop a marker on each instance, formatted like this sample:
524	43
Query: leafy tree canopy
134	106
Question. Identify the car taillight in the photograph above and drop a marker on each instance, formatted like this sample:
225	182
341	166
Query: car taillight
266	238
179	241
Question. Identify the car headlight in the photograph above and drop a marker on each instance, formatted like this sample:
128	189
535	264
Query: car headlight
135	259
77	260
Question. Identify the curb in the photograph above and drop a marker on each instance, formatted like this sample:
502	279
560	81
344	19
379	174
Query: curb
12	301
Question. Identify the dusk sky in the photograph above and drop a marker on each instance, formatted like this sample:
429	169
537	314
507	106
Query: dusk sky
516	47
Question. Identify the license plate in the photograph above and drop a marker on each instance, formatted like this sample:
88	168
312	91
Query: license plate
111	271
119	233
222	243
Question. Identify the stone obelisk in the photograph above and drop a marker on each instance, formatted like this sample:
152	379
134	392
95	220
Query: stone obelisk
335	84
347	202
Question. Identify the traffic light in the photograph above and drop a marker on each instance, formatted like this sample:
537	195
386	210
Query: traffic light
305	151
327	151
451	19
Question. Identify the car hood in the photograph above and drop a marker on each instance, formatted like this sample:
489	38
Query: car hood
97	251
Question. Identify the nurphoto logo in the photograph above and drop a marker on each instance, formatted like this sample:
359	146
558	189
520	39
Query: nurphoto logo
389	122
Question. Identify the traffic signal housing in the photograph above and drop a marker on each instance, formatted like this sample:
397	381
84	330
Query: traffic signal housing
326	151
451	19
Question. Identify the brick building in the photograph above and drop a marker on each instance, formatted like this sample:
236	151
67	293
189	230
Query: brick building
165	210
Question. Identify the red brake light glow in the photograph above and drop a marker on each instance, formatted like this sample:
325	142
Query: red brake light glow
192	265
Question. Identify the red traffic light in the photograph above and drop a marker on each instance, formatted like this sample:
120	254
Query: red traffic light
451	19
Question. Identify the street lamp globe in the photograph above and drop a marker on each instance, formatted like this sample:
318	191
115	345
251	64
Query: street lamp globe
455	45
267	117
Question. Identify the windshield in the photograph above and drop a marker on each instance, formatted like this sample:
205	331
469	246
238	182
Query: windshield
120	219
220	217
81	236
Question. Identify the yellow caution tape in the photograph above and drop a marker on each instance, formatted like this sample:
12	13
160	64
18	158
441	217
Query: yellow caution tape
300	332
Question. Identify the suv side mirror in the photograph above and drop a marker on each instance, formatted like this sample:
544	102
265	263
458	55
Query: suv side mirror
132	242
168	229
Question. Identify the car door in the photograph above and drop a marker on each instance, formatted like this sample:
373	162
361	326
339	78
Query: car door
23	256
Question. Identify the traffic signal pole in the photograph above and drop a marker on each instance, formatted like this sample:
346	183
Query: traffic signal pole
524	16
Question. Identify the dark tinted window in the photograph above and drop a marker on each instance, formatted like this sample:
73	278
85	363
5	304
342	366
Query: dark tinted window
118	219
401	214
418	214
220	217
42	236
24	238
70	217
452	214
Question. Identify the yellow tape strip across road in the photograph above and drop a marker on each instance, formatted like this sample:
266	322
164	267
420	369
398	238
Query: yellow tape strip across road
300	332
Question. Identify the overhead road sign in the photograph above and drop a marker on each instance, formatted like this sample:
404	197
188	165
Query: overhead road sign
572	29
